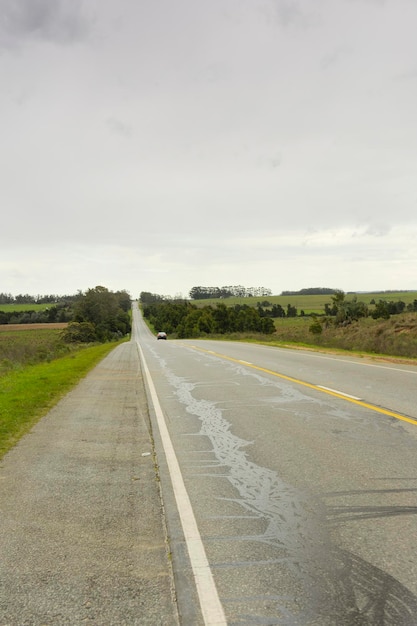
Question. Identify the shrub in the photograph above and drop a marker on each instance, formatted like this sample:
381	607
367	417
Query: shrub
79	332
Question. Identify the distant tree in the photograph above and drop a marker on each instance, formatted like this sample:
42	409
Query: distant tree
102	309
203	293
277	311
25	299
381	311
346	311
222	319
124	300
330	310
384	309
146	297
315	327
198	293
338	297
6	298
291	311
310	291
396	307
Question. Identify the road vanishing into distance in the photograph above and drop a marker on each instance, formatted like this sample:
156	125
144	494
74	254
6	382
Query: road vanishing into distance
289	480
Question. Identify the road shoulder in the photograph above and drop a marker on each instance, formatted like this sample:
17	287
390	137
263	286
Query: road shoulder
82	529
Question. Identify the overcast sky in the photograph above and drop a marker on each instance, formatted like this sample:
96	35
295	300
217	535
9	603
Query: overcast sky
158	145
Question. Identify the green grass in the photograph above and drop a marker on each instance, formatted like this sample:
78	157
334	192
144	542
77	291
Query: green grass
27	394
25	307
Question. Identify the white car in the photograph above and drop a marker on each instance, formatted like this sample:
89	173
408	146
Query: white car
161	335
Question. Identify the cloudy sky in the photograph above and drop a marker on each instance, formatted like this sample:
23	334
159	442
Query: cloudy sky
155	145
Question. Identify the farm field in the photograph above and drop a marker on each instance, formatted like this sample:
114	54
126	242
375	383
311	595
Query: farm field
20	327
313	303
22	345
25	307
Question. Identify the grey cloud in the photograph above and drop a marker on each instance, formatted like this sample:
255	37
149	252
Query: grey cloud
119	128
235	125
271	161
378	230
290	13
335	56
377	2
61	21
408	75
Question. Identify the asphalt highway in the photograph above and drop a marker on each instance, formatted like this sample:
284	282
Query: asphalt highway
300	475
206	483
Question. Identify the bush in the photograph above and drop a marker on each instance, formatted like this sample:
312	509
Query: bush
315	327
79	332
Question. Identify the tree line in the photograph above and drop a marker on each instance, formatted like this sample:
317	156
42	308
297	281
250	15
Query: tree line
203	293
96	315
61	312
184	319
309	291
7	298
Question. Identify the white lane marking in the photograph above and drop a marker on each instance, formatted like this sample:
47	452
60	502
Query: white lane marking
341	393
210	604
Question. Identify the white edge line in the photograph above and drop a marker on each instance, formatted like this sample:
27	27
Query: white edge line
340	393
211	607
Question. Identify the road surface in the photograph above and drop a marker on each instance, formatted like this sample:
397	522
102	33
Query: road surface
82	536
289	481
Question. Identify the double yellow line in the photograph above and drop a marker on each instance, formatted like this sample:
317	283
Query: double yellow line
329	392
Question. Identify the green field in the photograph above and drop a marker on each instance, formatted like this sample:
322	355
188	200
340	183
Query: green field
313	303
6	308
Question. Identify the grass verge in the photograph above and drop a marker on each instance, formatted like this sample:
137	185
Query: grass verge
27	395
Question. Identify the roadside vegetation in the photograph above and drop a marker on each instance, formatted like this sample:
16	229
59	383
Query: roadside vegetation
383	323
99	315
393	338
20	348
29	389
96	315
39	363
187	320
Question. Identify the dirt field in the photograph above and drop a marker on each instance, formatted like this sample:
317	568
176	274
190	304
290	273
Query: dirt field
58	325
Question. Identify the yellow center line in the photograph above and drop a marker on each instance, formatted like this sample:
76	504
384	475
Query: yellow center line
297	381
